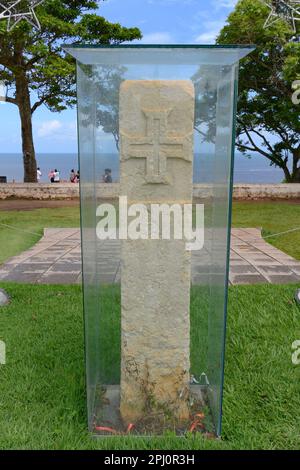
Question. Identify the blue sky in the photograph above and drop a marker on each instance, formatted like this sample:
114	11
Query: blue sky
161	21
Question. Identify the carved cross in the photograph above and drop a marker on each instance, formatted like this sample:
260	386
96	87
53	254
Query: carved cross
157	146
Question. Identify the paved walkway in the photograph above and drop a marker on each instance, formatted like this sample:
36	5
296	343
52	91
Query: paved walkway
56	259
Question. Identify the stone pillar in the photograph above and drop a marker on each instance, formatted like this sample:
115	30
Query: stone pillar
156	131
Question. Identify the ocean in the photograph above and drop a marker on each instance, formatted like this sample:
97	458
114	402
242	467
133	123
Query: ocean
247	170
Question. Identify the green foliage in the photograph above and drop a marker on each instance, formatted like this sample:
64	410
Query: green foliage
50	72
268	121
106	82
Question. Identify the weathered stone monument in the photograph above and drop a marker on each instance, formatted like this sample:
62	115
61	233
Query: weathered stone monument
156	132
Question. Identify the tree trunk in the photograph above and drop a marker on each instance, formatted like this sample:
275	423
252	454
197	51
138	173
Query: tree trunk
287	173
295	177
24	105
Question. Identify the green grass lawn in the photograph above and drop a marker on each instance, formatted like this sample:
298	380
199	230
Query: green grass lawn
273	217
42	400
16	238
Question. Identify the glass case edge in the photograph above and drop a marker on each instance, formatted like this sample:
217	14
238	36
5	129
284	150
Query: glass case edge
230	189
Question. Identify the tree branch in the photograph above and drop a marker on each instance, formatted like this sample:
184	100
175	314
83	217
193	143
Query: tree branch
270	157
263	138
8	99
37	104
245	147
199	132
256	148
44	100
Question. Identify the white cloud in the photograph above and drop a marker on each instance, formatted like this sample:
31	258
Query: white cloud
206	38
215	4
211	31
157	38
225	3
182	2
48	128
56	130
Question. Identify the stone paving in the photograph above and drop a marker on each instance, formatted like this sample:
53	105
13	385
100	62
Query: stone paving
56	259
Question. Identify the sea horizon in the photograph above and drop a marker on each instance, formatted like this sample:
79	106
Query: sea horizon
253	170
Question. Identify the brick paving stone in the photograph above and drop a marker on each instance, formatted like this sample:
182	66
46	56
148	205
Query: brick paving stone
58	278
295	269
56	259
26	278
247	279
283	279
242	269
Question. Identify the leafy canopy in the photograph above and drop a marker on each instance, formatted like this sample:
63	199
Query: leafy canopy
268	121
50	72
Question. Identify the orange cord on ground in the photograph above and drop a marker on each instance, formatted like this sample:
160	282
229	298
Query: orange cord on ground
130	427
197	423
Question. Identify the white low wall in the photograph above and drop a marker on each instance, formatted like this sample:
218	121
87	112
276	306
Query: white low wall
267	191
60	191
39	191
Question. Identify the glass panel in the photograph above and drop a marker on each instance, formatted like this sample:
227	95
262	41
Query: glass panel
220	239
159	55
212	73
86	133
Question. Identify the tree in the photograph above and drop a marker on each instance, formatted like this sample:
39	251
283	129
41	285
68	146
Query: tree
268	120
33	64
106	84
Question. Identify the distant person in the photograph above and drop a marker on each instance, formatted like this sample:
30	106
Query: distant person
56	178
38	174
107	176
51	176
73	176
77	176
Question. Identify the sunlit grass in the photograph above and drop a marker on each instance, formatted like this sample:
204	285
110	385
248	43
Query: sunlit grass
19	230
272	216
42	404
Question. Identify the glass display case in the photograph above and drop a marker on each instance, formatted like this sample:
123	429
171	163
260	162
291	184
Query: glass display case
156	145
